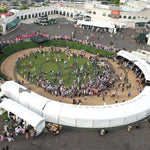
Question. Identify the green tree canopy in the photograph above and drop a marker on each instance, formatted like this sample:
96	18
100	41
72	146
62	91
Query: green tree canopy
24	7
3	10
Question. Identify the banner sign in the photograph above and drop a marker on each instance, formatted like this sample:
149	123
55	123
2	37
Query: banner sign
115	12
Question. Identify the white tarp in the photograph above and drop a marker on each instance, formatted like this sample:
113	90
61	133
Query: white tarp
89	116
96	24
30	117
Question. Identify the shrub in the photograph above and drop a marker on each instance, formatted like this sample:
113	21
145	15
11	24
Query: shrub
24	7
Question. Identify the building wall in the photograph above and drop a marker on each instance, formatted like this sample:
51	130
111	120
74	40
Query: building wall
97	14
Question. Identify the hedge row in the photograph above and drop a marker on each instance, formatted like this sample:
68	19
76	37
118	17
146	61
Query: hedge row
25	45
78	46
9	50
3	10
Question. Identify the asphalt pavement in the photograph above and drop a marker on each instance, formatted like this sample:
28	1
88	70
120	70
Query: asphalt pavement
84	139
66	27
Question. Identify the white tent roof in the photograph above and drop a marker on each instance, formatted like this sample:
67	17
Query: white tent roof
20	94
30	117
139	55
145	68
127	55
142	64
89	116
99	116
96	24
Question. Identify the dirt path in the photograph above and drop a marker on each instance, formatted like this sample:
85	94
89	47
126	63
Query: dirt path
8	66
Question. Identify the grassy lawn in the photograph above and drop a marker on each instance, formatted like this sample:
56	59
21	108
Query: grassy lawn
52	67
25	45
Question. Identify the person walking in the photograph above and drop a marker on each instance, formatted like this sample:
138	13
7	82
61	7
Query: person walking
129	94
27	136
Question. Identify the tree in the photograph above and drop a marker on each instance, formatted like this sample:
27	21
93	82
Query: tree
111	43
3	10
116	2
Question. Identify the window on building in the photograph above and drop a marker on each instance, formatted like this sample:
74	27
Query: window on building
129	17
109	15
124	17
94	12
145	17
134	17
142	17
120	16
104	14
138	16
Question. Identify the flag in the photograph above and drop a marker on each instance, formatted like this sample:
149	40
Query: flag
4	6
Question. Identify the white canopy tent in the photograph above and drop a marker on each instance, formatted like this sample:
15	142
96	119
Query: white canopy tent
36	121
22	96
145	68
142	64
99	116
139	55
96	24
89	116
127	55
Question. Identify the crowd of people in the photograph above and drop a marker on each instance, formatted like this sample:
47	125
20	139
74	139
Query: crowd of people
67	38
16	126
138	73
96	84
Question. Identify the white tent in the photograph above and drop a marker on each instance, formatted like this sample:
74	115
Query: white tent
96	24
142	64
145	68
127	55
87	116
28	99
36	121
139	55
99	116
